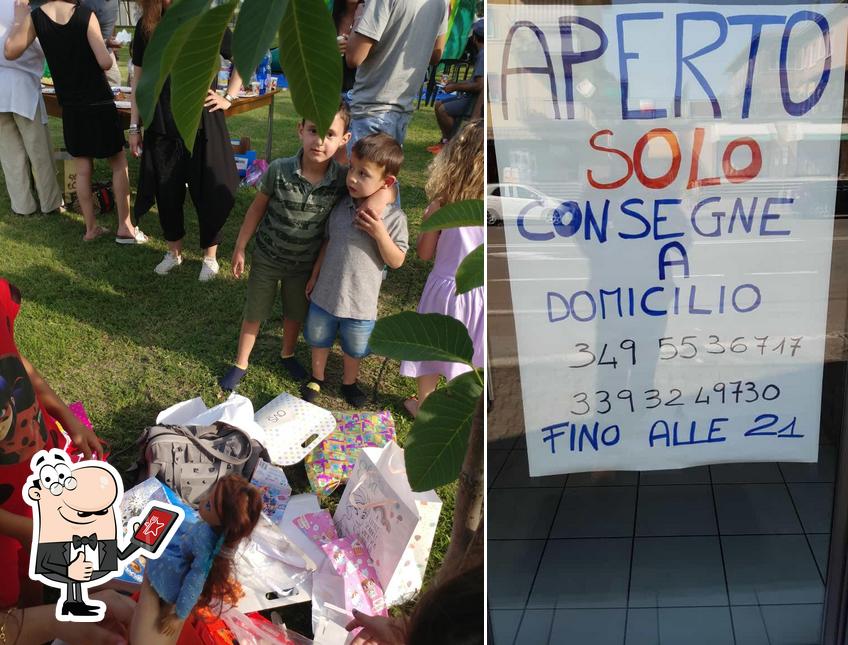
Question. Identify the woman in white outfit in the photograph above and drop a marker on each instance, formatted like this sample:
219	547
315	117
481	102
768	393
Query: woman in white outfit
26	151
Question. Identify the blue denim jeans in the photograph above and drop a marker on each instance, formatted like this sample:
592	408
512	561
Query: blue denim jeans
322	328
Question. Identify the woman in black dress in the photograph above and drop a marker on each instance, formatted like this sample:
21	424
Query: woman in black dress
70	37
167	165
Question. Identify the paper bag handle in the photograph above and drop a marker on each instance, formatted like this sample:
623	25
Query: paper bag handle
361	481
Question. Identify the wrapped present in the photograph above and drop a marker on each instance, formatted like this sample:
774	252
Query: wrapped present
349	559
275	488
318	527
331	463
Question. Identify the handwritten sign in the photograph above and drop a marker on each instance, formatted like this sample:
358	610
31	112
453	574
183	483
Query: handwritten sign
669	181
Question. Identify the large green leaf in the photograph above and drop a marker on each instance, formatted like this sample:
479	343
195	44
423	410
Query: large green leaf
422	337
171	33
258	22
469	274
196	66
468	212
309	54
438	441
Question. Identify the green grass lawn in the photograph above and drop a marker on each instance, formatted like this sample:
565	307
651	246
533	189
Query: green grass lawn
105	330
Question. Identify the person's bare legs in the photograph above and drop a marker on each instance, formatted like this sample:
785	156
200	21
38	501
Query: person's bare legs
211	252
246	341
444	120
121	188
84	167
427	383
176	248
319	362
145	627
351	369
291	330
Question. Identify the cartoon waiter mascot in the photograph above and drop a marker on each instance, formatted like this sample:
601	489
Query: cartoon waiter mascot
76	515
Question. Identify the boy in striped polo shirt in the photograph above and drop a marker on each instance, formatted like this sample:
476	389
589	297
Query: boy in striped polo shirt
288	216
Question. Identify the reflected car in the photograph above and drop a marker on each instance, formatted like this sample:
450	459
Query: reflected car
517	196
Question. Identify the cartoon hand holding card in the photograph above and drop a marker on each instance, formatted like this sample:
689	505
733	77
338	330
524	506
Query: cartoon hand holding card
76	515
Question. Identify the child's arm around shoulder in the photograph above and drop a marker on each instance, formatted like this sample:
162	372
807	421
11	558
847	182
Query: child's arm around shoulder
254	215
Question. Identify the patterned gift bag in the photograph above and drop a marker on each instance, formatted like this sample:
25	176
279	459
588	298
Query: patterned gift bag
396	524
293	428
331	463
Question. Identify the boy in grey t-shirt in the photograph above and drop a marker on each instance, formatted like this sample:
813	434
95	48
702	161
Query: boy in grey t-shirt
345	283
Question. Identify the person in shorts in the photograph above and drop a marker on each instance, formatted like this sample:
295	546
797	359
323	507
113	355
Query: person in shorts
361	243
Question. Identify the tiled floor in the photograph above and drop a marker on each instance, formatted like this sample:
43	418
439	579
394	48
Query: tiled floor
731	554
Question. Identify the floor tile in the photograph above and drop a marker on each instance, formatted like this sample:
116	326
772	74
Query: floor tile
643	627
745	509
777	624
822	471
581	574
596	511
749	625
770	570
696	626
793	625
504	625
519	514
604	478
677	572
748	473
512	567
675	510
495	460
821	547
697	475
815	505
535	627
595	626
515	474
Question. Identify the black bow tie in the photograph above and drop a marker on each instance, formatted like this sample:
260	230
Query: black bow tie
91	541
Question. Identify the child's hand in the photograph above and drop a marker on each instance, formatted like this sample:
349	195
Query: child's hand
238	263
369	221
83	438
310	285
168	621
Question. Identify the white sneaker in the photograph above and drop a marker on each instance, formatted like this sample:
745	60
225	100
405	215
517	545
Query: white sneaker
168	262
209	269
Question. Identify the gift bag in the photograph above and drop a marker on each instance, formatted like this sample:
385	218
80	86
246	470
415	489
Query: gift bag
293	428
276	492
331	463
396	524
349	559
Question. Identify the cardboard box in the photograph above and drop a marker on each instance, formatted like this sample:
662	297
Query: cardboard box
244	160
241	145
66	173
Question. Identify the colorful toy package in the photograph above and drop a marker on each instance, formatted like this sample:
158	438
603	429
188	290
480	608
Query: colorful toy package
331	463
275	488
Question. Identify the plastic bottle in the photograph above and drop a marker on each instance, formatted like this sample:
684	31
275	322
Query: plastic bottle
224	74
262	72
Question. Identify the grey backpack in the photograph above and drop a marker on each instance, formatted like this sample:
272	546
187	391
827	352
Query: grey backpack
190	459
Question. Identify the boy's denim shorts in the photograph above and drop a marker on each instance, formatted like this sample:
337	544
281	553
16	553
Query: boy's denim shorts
322	327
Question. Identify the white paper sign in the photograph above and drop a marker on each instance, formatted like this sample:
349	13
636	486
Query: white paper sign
669	176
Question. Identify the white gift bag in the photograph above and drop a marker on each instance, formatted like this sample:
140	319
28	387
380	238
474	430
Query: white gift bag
396	524
293	428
